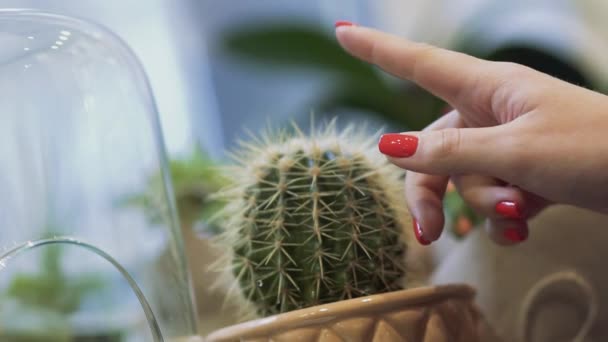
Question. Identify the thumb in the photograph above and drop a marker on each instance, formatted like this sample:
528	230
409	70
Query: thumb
451	151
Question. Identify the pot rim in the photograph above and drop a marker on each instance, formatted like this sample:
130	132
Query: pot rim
326	313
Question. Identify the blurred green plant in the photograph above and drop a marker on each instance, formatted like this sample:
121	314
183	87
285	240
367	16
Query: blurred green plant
41	302
52	288
355	84
194	180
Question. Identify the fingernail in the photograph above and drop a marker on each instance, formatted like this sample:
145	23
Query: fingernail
509	209
419	234
398	145
515	234
343	23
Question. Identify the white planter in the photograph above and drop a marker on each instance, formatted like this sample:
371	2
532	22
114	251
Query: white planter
549	288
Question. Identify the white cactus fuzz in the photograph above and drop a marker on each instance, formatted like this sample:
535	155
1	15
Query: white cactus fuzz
313	220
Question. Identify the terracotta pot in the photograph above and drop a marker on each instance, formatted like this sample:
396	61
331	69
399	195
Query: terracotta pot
439	313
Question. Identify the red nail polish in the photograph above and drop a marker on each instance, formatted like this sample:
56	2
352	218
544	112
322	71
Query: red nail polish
344	23
509	209
418	232
515	234
398	145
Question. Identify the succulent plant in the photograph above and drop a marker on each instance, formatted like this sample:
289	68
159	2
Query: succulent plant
312	220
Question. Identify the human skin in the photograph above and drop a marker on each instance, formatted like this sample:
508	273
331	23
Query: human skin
516	141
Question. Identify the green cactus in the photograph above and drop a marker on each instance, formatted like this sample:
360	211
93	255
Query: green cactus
313	220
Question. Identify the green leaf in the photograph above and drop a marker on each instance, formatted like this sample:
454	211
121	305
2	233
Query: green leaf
194	180
289	45
359	85
51	288
406	110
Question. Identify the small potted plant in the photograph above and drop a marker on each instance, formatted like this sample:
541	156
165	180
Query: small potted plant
48	305
317	244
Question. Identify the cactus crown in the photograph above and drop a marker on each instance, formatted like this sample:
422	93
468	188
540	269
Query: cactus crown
313	220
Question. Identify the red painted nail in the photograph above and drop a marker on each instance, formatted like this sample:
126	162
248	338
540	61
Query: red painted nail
398	145
344	23
515	234
419	234
509	209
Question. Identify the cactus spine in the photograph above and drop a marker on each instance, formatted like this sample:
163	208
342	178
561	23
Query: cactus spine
313	220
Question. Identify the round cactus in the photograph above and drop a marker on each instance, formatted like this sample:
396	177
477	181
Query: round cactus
314	219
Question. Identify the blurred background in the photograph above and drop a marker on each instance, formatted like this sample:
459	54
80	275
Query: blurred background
221	68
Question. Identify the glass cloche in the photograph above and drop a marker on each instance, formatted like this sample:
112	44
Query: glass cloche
79	141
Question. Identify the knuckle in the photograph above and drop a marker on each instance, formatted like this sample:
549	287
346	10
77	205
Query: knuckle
518	159
511	70
375	52
496	83
471	192
473	201
448	144
425	49
424	54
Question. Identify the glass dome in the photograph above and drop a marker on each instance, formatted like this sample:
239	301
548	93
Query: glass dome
79	140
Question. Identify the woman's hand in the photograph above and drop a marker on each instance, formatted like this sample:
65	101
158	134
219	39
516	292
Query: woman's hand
516	141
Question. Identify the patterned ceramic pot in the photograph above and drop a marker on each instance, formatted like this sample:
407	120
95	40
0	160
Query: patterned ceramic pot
438	313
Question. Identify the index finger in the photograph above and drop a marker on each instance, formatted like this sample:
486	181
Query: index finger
450	75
